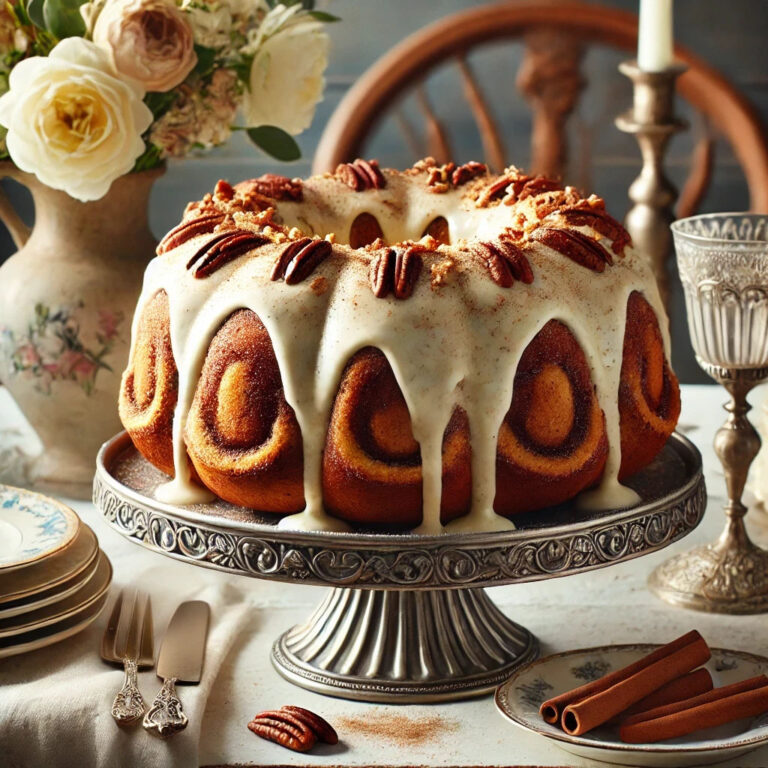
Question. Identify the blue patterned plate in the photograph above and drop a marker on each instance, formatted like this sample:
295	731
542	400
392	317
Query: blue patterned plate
519	698
32	526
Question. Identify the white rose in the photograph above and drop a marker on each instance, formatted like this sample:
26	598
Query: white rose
286	80
71	122
210	25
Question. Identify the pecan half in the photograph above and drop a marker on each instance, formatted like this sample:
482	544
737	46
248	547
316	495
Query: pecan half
299	259
601	222
516	260
536	186
222	250
293	727
468	171
382	273
186	230
274	186
497	265
407	270
396	271
361	175
575	245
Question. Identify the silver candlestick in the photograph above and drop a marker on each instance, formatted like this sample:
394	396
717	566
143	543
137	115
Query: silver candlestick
652	121
723	264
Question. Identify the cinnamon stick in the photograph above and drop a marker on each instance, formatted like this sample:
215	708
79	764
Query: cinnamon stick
587	713
708	710
552	709
686	687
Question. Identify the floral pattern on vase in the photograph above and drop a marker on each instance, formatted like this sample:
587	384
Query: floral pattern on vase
54	350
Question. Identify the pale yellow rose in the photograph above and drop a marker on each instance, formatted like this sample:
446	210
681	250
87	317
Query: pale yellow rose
286	78
149	41
71	121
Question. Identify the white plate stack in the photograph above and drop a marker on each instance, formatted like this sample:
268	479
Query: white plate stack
54	578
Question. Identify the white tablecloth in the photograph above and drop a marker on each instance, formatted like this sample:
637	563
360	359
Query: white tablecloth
606	606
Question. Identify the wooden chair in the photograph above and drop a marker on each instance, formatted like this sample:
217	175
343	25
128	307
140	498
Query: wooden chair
555	34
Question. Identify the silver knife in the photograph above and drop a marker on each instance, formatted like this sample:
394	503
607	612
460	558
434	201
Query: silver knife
180	660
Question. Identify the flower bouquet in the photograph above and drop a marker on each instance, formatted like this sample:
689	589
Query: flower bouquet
95	96
94	90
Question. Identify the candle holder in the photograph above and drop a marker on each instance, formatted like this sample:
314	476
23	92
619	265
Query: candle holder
652	121
723	265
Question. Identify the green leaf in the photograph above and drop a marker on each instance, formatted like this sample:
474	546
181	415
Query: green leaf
275	142
150	159
35	12
324	17
62	18
206	58
160	103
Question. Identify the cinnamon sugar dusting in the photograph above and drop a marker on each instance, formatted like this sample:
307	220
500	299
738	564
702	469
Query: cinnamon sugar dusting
386	725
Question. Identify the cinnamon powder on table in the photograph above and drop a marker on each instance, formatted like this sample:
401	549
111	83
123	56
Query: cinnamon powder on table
397	728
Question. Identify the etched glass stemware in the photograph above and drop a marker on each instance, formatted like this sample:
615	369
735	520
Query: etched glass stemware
723	265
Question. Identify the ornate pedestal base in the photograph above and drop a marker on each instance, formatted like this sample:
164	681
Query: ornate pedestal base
716	579
403	646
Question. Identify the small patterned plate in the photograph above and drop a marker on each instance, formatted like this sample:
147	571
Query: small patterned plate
32	526
519	698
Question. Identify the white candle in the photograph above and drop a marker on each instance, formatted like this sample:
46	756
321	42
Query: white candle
654	42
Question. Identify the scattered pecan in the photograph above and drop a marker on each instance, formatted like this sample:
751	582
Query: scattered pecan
468	171
361	175
576	246
322	728
221	250
299	259
223	190
189	228
396	271
272	185
514	185
293	727
601	222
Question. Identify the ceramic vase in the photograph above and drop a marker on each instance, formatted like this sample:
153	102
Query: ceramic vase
66	302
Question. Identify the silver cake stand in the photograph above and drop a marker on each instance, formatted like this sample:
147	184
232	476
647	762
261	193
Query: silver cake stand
407	618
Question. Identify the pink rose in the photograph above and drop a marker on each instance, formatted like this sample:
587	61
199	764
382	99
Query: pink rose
149	41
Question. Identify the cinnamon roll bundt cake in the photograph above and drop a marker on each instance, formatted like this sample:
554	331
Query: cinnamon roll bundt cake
399	349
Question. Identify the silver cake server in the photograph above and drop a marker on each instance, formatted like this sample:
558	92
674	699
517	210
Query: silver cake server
180	660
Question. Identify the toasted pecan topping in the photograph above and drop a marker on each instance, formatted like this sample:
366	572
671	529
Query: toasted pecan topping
361	175
299	259
506	262
513	186
274	186
600	221
468	171
497	265
222	249
439	177
189	228
575	245
396	271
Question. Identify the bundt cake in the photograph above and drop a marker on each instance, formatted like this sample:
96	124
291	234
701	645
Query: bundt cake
399	349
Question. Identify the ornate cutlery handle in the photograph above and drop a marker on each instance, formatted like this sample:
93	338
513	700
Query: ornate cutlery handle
128	705
166	715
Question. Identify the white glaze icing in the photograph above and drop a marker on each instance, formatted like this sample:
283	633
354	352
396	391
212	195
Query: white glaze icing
456	343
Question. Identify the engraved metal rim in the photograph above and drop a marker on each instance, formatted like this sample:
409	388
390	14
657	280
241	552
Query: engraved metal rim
443	559
717	242
405	692
645	648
